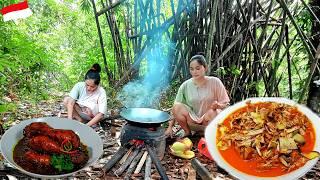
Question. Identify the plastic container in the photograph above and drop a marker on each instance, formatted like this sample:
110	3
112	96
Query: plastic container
203	149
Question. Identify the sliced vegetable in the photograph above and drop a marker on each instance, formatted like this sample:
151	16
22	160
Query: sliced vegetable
257	118
311	155
66	145
299	138
280	125
287	143
223	130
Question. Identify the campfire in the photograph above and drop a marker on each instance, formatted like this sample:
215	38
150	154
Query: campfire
142	142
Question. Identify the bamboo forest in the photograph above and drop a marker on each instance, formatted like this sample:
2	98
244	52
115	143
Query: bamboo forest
134	77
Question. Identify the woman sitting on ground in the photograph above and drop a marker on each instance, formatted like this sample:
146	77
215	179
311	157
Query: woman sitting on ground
87	101
199	99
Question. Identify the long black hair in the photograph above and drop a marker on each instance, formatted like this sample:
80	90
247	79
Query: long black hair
94	73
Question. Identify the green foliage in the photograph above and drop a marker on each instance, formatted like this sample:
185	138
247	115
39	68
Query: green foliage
221	71
86	5
7	107
48	51
23	62
234	70
4	3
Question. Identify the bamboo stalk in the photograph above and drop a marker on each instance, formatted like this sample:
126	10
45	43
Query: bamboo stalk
304	38
105	9
277	63
289	63
308	45
264	30
212	31
110	75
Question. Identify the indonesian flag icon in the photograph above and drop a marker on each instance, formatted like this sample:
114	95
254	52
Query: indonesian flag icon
16	11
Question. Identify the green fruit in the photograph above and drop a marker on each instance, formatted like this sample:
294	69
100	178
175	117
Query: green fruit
179	146
187	142
184	155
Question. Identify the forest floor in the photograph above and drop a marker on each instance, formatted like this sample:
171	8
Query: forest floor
176	168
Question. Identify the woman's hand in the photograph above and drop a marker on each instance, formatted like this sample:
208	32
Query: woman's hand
168	132
96	119
216	105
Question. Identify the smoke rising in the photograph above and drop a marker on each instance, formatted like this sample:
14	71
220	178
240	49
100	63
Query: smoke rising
153	79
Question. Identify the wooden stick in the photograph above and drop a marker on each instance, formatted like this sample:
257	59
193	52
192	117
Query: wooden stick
115	158
124	166
156	161
113	5
142	160
113	129
124	158
147	174
201	170
133	165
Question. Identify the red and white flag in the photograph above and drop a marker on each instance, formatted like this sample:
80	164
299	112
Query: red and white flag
16	11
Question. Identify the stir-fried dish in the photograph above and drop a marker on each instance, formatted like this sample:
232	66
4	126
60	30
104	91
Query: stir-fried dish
48	151
266	139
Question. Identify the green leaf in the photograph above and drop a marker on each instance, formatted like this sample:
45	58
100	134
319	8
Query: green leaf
62	162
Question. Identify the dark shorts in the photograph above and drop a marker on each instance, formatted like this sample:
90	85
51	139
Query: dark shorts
84	116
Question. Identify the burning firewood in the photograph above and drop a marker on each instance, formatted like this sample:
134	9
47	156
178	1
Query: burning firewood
124	158
142	160
124	166
133	165
147	174
115	158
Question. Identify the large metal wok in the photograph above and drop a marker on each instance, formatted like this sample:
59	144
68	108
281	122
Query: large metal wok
144	115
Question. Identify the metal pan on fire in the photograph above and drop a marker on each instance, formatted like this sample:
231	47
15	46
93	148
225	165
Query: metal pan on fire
144	115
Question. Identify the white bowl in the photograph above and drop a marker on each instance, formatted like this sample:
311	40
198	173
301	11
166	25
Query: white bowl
211	134
87	136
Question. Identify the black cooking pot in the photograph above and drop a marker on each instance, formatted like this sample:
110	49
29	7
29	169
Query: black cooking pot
144	116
